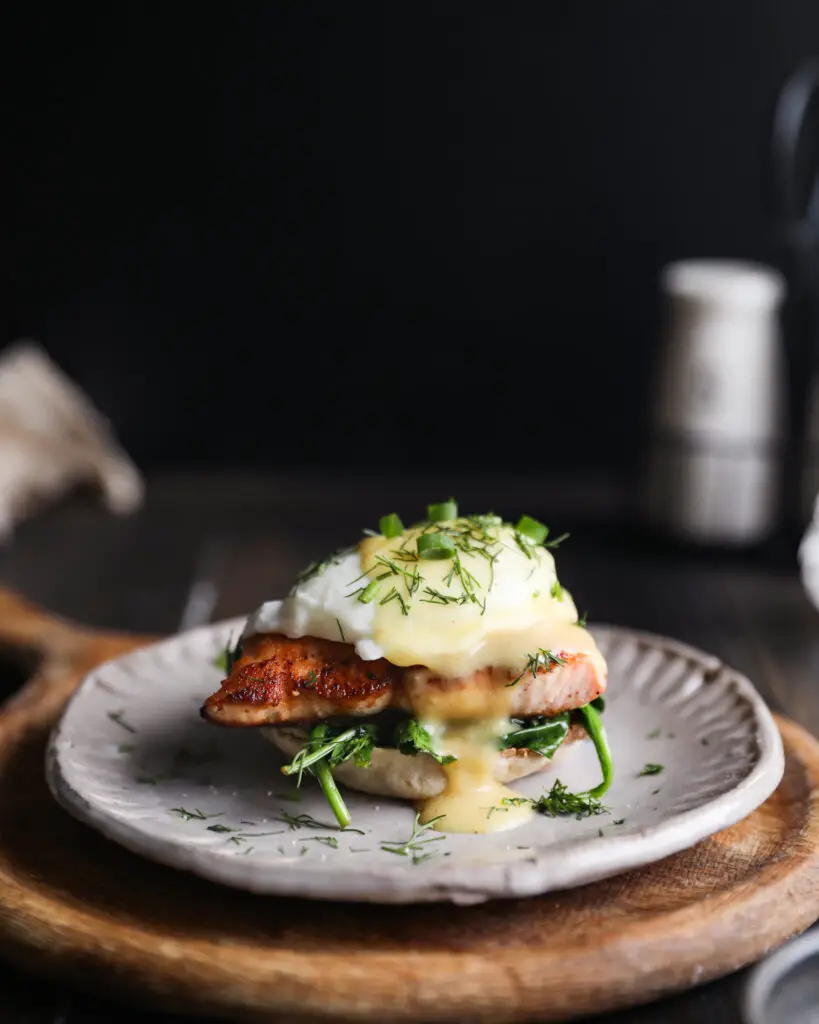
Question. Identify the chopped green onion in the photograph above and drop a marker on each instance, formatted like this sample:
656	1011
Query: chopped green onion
446	510
533	530
368	593
391	525
435	545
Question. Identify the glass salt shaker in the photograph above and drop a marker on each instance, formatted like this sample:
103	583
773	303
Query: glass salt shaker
717	428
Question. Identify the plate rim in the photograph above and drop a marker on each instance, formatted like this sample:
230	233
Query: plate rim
593	857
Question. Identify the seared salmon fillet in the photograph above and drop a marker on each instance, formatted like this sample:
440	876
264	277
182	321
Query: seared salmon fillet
279	680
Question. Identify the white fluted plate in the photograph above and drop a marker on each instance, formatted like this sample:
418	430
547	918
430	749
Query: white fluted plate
131	747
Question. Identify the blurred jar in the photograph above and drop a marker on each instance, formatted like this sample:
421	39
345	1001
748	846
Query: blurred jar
713	465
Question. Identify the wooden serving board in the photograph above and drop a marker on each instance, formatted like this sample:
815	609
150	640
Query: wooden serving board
77	907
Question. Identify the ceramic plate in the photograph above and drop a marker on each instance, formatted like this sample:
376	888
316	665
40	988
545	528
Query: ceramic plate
132	757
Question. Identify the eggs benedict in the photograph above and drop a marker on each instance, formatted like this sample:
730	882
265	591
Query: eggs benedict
435	663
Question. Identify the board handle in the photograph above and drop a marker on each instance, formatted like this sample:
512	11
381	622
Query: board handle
23	624
25	627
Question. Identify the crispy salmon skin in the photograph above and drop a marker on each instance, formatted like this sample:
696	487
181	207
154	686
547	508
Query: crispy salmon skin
278	680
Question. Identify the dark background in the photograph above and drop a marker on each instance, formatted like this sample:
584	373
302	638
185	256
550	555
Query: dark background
379	235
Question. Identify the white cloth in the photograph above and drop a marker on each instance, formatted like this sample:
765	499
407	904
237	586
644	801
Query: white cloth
53	439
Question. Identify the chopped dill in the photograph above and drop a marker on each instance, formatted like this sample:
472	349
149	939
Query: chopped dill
414	846
330	841
559	802
117	716
195	814
308	821
438	597
526	545
395	596
476	536
242	837
542	659
301	821
315	568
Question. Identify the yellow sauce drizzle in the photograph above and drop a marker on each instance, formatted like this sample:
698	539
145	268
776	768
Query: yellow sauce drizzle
473	801
464	651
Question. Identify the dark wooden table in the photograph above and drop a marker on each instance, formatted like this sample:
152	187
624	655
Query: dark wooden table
249	534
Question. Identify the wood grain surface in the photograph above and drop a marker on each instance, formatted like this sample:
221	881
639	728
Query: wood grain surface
75	906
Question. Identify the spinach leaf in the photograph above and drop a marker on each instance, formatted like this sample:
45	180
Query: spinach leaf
412	738
540	734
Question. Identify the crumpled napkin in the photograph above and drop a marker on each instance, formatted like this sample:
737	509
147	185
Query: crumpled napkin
53	439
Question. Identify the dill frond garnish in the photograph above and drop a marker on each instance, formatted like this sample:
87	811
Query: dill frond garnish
414	846
541	659
356	742
195	814
559	802
315	568
117	716
301	821
296	821
242	837
330	841
448	540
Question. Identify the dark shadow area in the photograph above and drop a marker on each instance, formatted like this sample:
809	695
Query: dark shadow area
17	666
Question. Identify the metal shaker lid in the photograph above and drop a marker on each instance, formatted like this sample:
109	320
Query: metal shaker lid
724	283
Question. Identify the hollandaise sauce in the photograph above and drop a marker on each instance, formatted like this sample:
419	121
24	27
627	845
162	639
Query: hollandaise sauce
472	800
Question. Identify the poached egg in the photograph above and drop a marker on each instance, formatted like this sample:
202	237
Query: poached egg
484	599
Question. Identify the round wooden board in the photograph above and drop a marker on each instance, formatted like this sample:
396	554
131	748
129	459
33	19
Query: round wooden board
75	906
